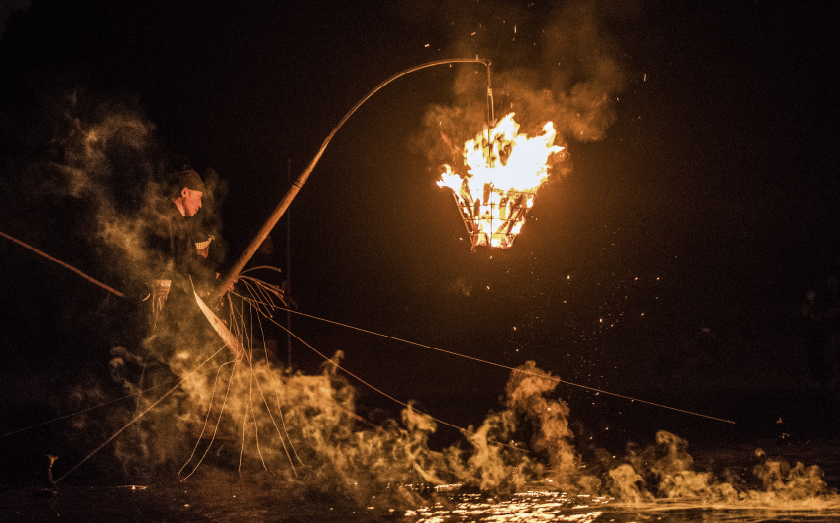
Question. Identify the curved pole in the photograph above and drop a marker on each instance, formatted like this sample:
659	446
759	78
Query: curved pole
231	275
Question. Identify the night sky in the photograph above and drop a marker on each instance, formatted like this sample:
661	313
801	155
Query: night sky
668	258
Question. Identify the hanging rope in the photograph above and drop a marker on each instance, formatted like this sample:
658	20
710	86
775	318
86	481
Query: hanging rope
487	362
137	418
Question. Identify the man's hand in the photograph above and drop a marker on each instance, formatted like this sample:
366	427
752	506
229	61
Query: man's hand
230	286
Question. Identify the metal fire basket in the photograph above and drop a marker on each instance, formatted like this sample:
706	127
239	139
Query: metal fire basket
497	218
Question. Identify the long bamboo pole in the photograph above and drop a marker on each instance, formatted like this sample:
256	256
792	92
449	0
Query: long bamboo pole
64	264
233	273
288	278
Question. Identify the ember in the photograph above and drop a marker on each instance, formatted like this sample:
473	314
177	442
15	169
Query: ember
504	171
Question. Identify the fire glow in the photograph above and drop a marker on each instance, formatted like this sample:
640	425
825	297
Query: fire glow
504	171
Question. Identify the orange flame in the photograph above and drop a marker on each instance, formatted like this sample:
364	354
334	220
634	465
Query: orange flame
505	168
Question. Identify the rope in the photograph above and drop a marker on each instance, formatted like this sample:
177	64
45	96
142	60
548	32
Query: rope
487	362
78	412
383	393
137	418
206	418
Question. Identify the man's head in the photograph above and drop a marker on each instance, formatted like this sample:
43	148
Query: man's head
188	189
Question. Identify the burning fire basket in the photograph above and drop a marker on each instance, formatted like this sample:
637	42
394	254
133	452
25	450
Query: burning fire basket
505	169
495	219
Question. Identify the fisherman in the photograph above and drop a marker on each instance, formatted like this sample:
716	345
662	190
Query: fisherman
179	267
178	334
171	234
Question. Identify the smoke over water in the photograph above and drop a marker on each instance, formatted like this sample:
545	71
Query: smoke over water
195	410
556	65
302	433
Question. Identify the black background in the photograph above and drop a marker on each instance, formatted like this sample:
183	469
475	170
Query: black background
670	264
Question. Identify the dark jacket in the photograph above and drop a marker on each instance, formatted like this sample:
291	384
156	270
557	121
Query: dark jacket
174	257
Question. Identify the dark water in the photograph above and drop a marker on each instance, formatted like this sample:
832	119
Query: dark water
218	494
221	495
224	499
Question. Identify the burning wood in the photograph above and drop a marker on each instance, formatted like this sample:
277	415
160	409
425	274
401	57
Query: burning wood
504	171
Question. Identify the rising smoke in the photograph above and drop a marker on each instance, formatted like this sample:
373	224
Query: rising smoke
556	64
303	430
92	180
259	417
101	164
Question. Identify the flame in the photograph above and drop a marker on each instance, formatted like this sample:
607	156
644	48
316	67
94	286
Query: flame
504	171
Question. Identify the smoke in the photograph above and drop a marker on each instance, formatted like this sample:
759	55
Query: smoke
98	172
666	471
556	64
100	168
526	392
91	175
783	484
302	430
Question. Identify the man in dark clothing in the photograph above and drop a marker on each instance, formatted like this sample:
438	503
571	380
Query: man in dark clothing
171	236
179	337
177	265
178	334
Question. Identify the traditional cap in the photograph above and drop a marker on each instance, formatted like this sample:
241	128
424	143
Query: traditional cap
188	178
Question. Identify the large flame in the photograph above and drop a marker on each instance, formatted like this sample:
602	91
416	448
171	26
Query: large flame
504	170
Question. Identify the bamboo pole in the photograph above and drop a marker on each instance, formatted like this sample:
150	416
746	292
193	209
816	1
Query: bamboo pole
63	264
288	288
233	273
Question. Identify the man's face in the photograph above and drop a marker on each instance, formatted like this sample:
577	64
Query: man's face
192	201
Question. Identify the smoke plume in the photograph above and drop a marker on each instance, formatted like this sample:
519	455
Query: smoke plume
549	64
197	407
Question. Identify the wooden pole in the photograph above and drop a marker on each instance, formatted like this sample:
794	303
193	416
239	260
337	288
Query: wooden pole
63	264
233	273
289	271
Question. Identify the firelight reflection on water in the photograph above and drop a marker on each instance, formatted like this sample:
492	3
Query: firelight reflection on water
531	506
539	507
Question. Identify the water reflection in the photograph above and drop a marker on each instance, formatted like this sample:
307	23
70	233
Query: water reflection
547	506
530	506
225	498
